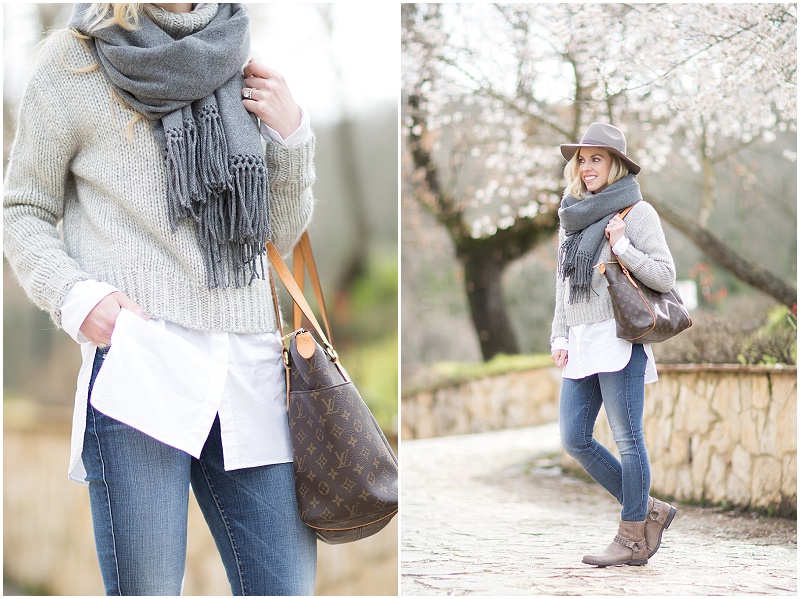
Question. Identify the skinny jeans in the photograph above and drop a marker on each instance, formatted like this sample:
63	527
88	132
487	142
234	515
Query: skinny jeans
622	393
139	493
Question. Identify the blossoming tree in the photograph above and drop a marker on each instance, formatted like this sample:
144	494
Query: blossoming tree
490	90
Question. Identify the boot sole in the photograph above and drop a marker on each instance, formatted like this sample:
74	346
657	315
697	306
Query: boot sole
667	522
630	562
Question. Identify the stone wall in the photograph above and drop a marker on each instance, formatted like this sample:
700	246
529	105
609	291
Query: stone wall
47	528
508	400
718	434
721	434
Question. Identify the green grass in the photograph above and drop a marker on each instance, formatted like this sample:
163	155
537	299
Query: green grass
373	368
443	374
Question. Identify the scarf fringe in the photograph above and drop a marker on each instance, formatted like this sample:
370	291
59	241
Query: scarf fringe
235	230
566	255
177	185
190	135
580	278
249	186
213	173
228	199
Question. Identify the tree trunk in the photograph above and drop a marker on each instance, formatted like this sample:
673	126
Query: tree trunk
482	277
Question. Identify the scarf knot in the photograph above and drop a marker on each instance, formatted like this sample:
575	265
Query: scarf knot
584	222
184	73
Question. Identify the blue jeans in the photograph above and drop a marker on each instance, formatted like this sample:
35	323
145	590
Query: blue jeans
139	493
623	395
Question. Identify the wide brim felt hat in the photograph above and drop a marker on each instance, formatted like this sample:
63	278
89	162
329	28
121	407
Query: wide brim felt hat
603	135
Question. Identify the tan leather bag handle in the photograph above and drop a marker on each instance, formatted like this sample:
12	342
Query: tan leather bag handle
306	260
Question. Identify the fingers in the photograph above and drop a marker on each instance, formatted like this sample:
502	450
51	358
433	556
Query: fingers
615	227
98	326
615	223
99	323
262	88
129	304
560	357
267	95
263	78
255	68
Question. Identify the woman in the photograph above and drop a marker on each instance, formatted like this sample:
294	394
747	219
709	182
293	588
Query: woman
139	135
599	368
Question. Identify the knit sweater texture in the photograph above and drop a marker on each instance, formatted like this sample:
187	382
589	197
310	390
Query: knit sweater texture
83	201
648	258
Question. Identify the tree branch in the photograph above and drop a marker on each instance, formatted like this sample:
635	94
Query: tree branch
725	256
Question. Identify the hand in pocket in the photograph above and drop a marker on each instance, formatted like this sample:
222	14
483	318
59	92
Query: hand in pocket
99	324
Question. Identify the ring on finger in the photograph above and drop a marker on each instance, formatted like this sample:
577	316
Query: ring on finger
248	93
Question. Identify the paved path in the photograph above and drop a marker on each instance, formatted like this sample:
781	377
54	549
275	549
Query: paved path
491	514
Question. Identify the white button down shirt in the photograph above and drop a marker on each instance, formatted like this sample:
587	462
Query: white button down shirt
594	347
170	382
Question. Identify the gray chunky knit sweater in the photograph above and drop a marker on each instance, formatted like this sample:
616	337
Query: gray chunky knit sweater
82	201
647	257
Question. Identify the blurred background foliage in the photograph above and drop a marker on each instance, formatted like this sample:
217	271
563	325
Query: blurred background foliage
351	97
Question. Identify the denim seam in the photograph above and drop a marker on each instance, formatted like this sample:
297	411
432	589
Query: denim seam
597	454
108	499
635	440
231	537
630	423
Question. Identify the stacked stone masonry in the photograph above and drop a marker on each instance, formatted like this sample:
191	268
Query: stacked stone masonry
516	399
722	435
718	434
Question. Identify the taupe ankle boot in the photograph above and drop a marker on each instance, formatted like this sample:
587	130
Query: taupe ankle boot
629	547
659	517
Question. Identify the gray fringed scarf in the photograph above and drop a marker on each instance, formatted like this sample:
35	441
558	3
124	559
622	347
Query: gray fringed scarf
584	221
184	73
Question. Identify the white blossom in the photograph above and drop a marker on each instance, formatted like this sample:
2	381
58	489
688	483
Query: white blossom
504	84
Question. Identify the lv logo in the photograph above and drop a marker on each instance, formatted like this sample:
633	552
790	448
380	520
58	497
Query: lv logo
300	462
343	458
313	365
329	402
353	510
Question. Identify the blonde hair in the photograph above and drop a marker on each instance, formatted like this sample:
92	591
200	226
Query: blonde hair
575	185
124	15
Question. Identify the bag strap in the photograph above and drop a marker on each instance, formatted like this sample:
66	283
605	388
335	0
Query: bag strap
622	215
296	292
304	259
285	351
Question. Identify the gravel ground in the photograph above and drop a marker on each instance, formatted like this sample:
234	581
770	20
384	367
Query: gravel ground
492	514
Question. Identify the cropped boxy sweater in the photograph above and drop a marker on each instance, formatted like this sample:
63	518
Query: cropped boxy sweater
82	201
648	258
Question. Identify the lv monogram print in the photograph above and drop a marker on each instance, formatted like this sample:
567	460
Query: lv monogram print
642	314
345	470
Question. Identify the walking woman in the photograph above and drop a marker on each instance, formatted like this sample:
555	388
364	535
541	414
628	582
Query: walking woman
598	368
137	201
